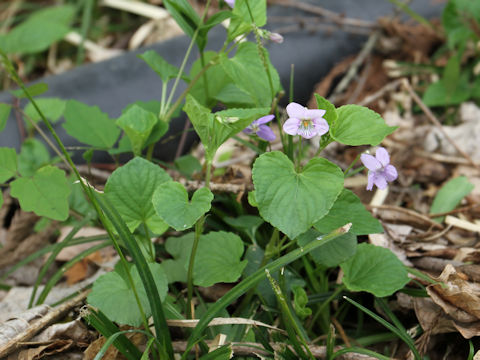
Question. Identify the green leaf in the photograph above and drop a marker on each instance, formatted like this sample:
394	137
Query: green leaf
247	71
33	90
358	125
212	21
160	128
46	193
456	18
4	114
246	223
183	13
137	124
441	93
39	31
1	199
217	259
224	352
216	79
89	125
300	300
188	165
180	249
52	108
170	201
130	189
331	115
450	195
348	208
158	64
33	155
8	163
77	200
293	201
333	253
215	129
242	21
113	296
374	269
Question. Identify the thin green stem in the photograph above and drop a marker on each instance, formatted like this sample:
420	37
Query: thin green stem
187	55
191	263
351	165
86	21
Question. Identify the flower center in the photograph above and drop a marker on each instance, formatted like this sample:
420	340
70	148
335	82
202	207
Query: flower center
255	128
306	128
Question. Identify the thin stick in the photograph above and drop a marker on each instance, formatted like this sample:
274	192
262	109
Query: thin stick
335	17
454	211
408	212
436	122
375	96
353	70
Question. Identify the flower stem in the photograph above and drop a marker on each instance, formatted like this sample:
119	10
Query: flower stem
198	232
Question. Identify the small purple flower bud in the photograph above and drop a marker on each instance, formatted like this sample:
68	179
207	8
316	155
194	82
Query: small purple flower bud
380	171
259	128
230	3
276	38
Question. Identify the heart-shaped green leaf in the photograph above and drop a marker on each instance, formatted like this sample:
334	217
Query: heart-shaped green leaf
90	125
170	201
293	201
46	193
130	189
374	269
8	163
137	124
113	295
217	260
358	125
349	209
332	253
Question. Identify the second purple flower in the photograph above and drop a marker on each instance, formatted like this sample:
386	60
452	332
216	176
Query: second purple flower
263	131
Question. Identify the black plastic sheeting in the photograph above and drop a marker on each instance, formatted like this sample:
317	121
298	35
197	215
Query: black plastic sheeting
115	83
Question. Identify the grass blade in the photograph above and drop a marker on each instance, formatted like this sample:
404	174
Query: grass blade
161	328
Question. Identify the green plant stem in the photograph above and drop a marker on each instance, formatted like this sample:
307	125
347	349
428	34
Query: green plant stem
198	232
351	165
191	263
86	21
187	55
150	244
294	332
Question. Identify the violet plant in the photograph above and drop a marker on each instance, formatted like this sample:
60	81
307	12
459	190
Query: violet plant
302	205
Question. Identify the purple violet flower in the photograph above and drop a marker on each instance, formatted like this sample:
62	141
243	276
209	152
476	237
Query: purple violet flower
380	171
305	122
230	3
263	131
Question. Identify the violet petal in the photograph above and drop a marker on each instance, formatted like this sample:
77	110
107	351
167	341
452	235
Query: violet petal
380	181
382	156
266	133
314	113
264	119
295	110
371	177
321	125
291	126
370	162
390	173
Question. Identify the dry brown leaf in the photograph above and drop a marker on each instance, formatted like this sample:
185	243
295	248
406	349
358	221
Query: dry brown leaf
82	269
459	299
43	351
